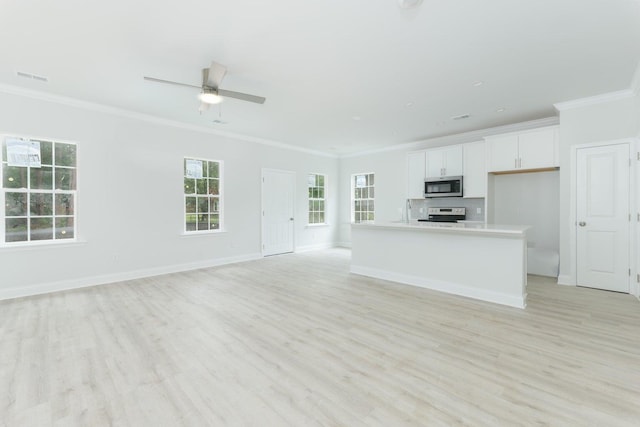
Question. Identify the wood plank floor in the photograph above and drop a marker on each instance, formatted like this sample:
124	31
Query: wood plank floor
296	340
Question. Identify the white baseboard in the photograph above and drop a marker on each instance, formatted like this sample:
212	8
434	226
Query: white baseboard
565	279
65	285
442	286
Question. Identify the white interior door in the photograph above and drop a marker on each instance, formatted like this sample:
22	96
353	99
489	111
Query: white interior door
278	191
603	223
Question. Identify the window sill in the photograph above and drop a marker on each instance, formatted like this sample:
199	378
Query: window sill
27	246
317	225
201	233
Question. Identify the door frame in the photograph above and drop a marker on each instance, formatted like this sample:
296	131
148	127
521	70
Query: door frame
634	241
262	199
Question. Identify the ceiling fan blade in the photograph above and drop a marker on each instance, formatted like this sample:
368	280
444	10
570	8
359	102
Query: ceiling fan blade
242	96
215	74
153	79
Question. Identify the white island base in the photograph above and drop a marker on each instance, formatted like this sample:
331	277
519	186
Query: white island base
485	262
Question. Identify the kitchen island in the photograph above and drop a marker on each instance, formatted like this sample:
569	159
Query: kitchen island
483	261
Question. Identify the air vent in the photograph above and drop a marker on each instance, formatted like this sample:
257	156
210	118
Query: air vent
32	76
220	122
460	117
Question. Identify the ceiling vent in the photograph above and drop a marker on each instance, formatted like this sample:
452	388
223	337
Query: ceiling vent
32	76
460	117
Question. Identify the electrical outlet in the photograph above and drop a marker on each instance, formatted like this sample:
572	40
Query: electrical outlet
478	210
421	210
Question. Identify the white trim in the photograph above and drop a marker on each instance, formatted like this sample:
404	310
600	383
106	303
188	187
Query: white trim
442	286
460	138
594	100
565	279
85	282
120	112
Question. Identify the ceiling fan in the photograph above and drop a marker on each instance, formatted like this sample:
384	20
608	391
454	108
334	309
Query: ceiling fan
210	92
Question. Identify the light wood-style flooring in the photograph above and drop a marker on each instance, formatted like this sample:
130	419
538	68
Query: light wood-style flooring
296	340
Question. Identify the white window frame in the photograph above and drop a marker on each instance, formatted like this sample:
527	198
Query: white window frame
322	200
219	196
29	192
367	199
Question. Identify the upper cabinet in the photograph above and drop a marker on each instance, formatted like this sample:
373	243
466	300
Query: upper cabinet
523	151
416	174
475	170
445	161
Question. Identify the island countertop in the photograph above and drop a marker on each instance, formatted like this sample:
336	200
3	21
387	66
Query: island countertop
448	227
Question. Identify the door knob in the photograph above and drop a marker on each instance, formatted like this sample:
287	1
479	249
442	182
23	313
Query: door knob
582	223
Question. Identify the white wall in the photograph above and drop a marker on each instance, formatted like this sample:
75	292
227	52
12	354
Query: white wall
532	199
130	198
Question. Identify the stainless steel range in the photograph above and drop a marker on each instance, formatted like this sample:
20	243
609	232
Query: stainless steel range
445	214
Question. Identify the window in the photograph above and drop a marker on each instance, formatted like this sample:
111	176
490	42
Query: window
362	195
202	195
317	198
38	189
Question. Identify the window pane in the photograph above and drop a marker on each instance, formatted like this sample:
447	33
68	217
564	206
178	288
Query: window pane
321	193
46	152
15	230
64	204
203	204
203	222
42	178
214	222
201	186
370	216
64	228
214	186
365	193
310	205
14	177
316	205
214	205
371	207
310	192
189	186
65	154
371	193
320	181
65	179
15	204
190	205
214	170
191	222
357	216
41	204
321	218
310	217
370	180
358	193
321	206
41	228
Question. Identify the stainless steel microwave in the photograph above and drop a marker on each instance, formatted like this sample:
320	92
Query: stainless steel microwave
443	186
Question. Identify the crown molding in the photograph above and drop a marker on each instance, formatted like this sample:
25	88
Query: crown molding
595	100
460	138
120	112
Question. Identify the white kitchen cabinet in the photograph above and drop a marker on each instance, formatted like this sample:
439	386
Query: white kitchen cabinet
530	150
415	174
446	161
474	179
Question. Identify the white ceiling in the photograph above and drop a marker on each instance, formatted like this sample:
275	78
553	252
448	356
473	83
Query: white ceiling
322	63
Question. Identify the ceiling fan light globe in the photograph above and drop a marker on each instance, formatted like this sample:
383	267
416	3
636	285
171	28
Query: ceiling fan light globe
210	98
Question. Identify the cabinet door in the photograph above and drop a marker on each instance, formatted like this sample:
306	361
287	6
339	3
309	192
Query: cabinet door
415	175
502	153
435	162
538	149
474	181
453	161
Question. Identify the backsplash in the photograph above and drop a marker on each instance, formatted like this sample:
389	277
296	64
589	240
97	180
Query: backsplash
472	206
